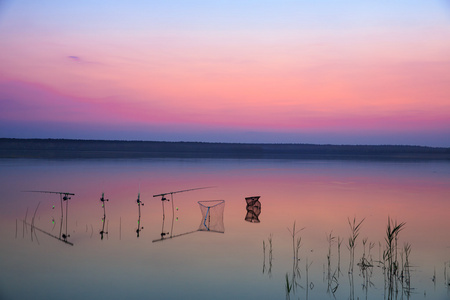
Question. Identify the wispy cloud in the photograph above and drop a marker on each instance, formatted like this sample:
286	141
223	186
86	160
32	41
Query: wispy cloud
83	61
74	58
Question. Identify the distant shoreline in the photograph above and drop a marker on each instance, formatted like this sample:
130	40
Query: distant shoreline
110	149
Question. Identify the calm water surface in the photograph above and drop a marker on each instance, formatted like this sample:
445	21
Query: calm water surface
248	260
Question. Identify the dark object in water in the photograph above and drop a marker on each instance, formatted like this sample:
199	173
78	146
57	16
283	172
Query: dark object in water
253	209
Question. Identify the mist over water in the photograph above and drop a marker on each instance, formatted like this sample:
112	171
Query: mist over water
248	260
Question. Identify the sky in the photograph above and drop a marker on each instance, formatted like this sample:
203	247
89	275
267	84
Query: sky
324	72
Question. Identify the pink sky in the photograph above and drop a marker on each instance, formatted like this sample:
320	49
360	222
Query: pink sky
347	73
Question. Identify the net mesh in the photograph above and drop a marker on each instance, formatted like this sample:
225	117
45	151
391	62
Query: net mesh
212	215
253	209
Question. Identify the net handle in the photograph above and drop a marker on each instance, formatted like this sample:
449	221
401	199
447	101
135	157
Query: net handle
206	216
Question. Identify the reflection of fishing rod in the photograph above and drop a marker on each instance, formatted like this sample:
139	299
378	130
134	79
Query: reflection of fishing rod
49	234
173	236
64	196
163	198
139	203
102	199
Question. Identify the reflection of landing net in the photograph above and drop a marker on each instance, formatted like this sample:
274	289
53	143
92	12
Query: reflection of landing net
212	219
212	215
253	209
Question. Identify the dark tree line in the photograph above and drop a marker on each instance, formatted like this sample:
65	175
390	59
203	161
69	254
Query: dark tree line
67	148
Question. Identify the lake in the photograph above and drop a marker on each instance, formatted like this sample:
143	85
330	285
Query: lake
251	260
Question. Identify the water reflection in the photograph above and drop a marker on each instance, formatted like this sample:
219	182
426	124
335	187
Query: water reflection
293	281
164	199
270	258
139	203
394	277
253	209
351	281
103	231
446	277
64	197
212	215
212	219
309	285
332	275
322	195
365	265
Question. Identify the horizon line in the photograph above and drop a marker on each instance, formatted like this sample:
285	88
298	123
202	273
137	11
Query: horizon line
239	143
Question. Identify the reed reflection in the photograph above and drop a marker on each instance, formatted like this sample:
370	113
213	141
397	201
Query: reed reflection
365	265
293	281
270	253
332	275
309	285
351	285
446	277
394	270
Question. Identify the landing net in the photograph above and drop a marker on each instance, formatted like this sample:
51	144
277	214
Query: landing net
212	215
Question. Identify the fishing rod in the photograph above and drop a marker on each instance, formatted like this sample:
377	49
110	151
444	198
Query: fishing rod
49	192
63	196
182	191
103	200
163	199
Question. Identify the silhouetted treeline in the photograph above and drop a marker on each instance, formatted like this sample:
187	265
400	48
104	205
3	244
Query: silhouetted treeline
65	148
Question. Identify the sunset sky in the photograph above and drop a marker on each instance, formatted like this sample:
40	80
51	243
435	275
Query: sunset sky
325	71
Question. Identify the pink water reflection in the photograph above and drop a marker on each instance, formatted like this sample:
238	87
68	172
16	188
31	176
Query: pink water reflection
318	195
